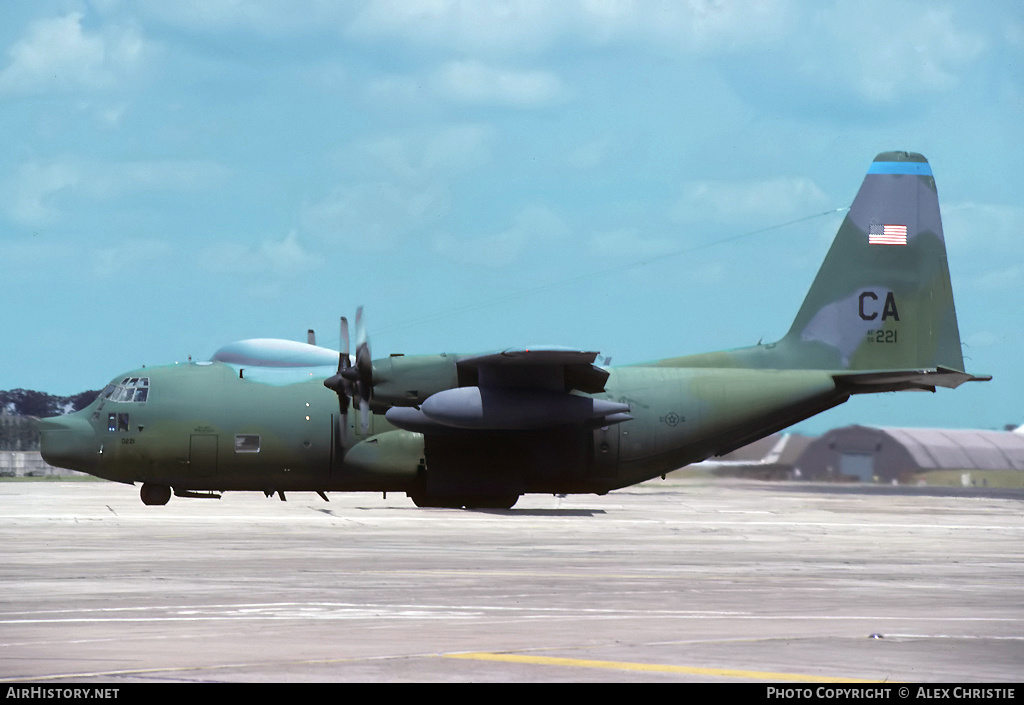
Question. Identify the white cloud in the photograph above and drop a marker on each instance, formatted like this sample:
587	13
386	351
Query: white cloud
110	116
27	255
286	257
400	186
58	55
982	339
33	196
970	225
529	26
762	200
534	230
884	51
476	82
1004	278
131	259
875	52
627	244
696	26
118	179
271	18
496	250
1013	33
926	56
394	88
520	25
983	240
591	154
373	216
30	197
428	155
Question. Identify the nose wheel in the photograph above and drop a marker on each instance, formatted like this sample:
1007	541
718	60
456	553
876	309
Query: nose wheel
155	494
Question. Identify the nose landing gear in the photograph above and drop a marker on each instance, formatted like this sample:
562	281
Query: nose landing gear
155	494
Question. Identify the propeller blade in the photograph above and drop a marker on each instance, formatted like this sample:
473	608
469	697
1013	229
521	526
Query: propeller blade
364	414
360	327
364	360
343	404
362	374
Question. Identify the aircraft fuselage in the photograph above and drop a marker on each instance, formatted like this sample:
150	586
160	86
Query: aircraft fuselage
204	427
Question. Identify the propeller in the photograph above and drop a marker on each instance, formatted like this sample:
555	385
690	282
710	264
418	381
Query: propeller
353	382
362	373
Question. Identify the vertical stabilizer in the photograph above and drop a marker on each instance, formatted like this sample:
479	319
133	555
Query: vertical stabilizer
882	300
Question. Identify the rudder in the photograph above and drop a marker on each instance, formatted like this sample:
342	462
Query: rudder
882	299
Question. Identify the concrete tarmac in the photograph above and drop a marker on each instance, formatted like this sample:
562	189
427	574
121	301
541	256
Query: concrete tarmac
668	581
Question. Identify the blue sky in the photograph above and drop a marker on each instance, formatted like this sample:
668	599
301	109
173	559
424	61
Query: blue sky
602	174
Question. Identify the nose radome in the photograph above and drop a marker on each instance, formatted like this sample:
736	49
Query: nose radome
68	442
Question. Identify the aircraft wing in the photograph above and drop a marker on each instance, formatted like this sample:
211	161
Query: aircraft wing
517	390
554	369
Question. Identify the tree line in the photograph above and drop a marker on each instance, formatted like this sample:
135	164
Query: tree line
20	410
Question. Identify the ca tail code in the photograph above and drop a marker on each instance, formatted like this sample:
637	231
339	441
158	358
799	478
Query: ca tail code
868	306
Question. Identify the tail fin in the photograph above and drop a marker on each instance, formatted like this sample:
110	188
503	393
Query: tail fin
882	300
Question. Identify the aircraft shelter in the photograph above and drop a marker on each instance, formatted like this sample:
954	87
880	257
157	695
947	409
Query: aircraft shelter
914	456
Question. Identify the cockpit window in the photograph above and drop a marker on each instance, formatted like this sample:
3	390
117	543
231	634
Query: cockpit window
130	389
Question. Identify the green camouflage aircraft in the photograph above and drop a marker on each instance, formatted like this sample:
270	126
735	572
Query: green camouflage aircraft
454	430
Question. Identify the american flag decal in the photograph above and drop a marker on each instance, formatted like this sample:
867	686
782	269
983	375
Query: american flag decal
887	234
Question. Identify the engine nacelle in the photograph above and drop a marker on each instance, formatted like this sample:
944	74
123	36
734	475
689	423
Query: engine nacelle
515	409
409	380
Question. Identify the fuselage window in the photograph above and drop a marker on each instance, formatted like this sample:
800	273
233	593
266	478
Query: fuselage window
247	443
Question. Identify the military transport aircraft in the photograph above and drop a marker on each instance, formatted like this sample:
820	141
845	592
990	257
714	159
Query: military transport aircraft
455	430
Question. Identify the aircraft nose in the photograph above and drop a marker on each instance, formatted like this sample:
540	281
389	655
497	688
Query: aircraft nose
68	442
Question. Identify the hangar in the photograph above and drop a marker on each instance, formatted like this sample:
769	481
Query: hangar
914	456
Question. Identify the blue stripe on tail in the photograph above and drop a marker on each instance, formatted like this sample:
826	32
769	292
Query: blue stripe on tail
916	168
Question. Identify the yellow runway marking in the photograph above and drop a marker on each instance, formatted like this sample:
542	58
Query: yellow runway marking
655	668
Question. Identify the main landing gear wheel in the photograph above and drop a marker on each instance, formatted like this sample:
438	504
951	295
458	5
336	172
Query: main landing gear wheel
155	494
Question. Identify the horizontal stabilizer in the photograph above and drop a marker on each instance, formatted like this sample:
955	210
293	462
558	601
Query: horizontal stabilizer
899	380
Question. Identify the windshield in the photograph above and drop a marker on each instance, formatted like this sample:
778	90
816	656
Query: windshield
130	389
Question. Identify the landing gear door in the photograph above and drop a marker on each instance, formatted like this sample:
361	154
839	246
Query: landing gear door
606	452
343	439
